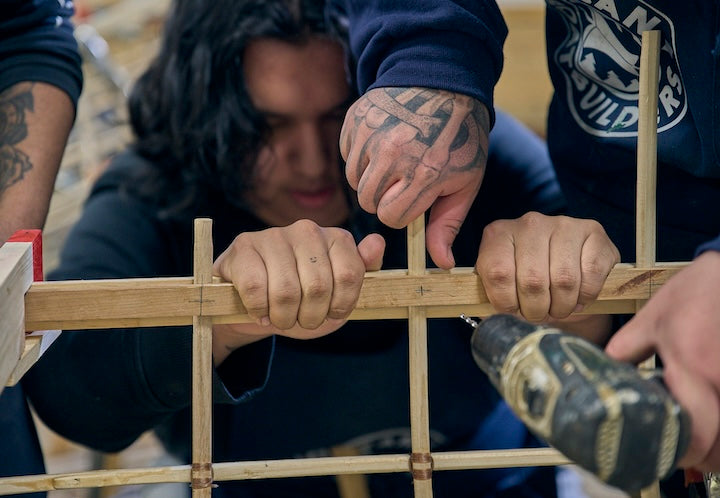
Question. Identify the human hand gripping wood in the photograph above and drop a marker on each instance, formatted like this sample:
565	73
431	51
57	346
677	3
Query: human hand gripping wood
681	323
410	149
545	267
300	281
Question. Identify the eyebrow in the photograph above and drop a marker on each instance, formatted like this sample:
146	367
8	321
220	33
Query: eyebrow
342	106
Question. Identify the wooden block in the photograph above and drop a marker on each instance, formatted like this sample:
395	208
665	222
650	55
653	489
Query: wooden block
35	238
16	274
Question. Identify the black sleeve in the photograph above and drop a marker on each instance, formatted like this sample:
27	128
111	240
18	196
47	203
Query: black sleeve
37	44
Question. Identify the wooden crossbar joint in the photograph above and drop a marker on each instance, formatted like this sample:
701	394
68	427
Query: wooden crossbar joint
201	476
421	466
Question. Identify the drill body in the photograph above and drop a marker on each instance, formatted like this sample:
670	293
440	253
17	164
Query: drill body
600	413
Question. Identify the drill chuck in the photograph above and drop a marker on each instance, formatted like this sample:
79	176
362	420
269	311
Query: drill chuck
600	413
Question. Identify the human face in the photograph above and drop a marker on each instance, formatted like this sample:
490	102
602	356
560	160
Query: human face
302	91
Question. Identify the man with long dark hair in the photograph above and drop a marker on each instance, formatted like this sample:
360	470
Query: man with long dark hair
238	118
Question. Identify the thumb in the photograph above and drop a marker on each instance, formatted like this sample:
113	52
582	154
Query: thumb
446	217
372	250
632	343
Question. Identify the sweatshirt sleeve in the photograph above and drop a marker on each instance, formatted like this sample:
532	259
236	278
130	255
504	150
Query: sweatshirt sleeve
712	245
37	44
104	388
448	45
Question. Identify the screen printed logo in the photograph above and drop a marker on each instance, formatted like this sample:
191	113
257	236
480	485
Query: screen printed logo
600	60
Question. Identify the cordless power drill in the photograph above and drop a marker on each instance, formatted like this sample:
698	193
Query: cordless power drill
600	413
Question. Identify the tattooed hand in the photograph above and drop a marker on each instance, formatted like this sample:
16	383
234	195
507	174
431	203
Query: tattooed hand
407	149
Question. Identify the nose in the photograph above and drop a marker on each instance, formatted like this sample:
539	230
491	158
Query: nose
313	150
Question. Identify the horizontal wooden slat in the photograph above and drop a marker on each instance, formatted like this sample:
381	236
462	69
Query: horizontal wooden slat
265	469
385	294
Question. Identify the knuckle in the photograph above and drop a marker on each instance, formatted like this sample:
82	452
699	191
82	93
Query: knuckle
532	284
316	288
285	296
531	219
349	275
565	279
594	267
497	275
339	311
495	228
307	227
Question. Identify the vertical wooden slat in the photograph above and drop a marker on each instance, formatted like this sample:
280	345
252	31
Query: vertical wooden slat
646	213
420	459
202	369
645	229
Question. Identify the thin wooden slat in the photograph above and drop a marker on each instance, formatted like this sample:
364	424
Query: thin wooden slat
646	211
202	368
28	357
420	458
645	228
268	469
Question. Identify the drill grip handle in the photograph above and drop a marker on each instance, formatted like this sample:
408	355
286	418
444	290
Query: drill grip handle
600	413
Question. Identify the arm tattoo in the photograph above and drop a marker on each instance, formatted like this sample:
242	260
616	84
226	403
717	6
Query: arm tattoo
14	163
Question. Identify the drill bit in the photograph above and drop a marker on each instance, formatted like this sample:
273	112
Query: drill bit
474	324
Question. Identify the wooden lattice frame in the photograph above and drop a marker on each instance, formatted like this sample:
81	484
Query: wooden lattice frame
415	294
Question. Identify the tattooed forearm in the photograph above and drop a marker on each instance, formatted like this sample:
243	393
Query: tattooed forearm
14	163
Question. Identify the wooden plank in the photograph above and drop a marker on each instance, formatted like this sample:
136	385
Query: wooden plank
16	275
110	299
385	294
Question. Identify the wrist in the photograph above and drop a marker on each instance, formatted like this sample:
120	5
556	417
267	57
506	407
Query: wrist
229	337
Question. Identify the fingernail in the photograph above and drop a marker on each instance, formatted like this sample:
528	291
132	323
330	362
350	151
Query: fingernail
579	308
264	321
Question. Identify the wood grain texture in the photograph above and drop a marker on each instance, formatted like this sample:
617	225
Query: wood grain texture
202	368
16	275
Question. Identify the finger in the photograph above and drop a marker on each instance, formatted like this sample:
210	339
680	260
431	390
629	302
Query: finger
392	165
348	270
372	249
633	343
447	215
242	265
284	290
532	258
565	273
356	143
315	274
496	267
599	256
700	400
408	196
